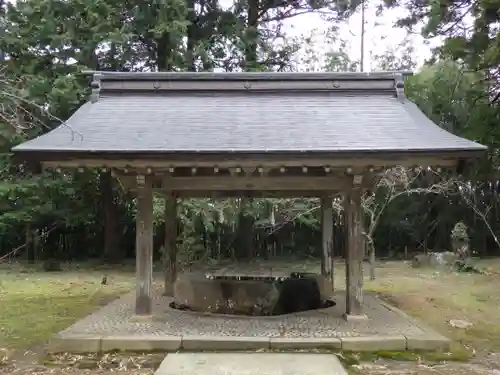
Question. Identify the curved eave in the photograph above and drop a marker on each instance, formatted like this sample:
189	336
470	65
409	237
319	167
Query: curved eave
302	125
224	155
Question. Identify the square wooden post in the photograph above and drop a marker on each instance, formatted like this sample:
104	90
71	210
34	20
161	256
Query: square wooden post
144	246
354	252
170	243
327	236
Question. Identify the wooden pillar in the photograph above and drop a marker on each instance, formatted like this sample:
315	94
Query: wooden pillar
354	252
327	236
144	246
170	243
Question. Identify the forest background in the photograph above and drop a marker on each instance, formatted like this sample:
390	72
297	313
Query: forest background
46	44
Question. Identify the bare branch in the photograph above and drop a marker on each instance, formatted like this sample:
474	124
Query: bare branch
400	181
19	112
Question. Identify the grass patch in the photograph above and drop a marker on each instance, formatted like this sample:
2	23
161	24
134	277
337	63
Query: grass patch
355	358
394	355
353	371
35	305
435	297
427	356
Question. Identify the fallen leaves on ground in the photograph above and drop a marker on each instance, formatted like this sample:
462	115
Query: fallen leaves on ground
89	364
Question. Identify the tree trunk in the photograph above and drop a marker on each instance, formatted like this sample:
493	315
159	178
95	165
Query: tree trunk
252	37
327	239
371	259
171	231
164	49
30	253
191	37
112	251
2	15
36	243
244	231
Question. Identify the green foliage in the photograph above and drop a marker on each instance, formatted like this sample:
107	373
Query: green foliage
469	30
458	100
46	44
463	266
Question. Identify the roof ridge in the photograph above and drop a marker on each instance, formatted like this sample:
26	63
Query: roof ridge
154	82
246	76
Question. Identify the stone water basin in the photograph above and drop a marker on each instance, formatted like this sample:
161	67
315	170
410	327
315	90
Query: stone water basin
261	294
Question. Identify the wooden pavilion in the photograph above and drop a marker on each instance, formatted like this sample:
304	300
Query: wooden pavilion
248	134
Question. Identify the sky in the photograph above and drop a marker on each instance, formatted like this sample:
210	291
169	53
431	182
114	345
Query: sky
380	34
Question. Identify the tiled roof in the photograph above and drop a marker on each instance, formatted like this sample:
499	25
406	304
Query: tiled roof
190	112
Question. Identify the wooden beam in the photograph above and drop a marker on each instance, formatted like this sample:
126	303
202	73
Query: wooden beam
170	242
244	193
239	185
261	186
375	161
354	252
144	246
332	84
257	183
127	182
327	235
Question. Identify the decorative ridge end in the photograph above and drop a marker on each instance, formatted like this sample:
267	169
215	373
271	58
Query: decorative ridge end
95	85
399	86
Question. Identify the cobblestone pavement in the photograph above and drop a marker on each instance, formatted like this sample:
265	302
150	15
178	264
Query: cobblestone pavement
115	319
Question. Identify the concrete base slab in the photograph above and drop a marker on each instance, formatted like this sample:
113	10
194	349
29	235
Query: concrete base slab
74	344
291	343
144	343
354	318
374	343
196	343
116	327
250	364
141	318
149	343
428	342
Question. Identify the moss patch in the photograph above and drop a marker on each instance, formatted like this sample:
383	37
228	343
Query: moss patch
355	358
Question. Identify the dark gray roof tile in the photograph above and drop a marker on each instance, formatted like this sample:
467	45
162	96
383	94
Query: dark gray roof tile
323	121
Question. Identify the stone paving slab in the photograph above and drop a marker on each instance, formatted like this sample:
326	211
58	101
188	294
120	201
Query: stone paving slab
148	343
374	343
199	343
250	364
75	344
116	327
285	343
144	344
428	342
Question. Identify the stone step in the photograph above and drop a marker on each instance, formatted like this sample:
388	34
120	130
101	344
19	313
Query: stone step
250	363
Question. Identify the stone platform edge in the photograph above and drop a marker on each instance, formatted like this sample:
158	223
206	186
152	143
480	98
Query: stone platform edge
157	343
